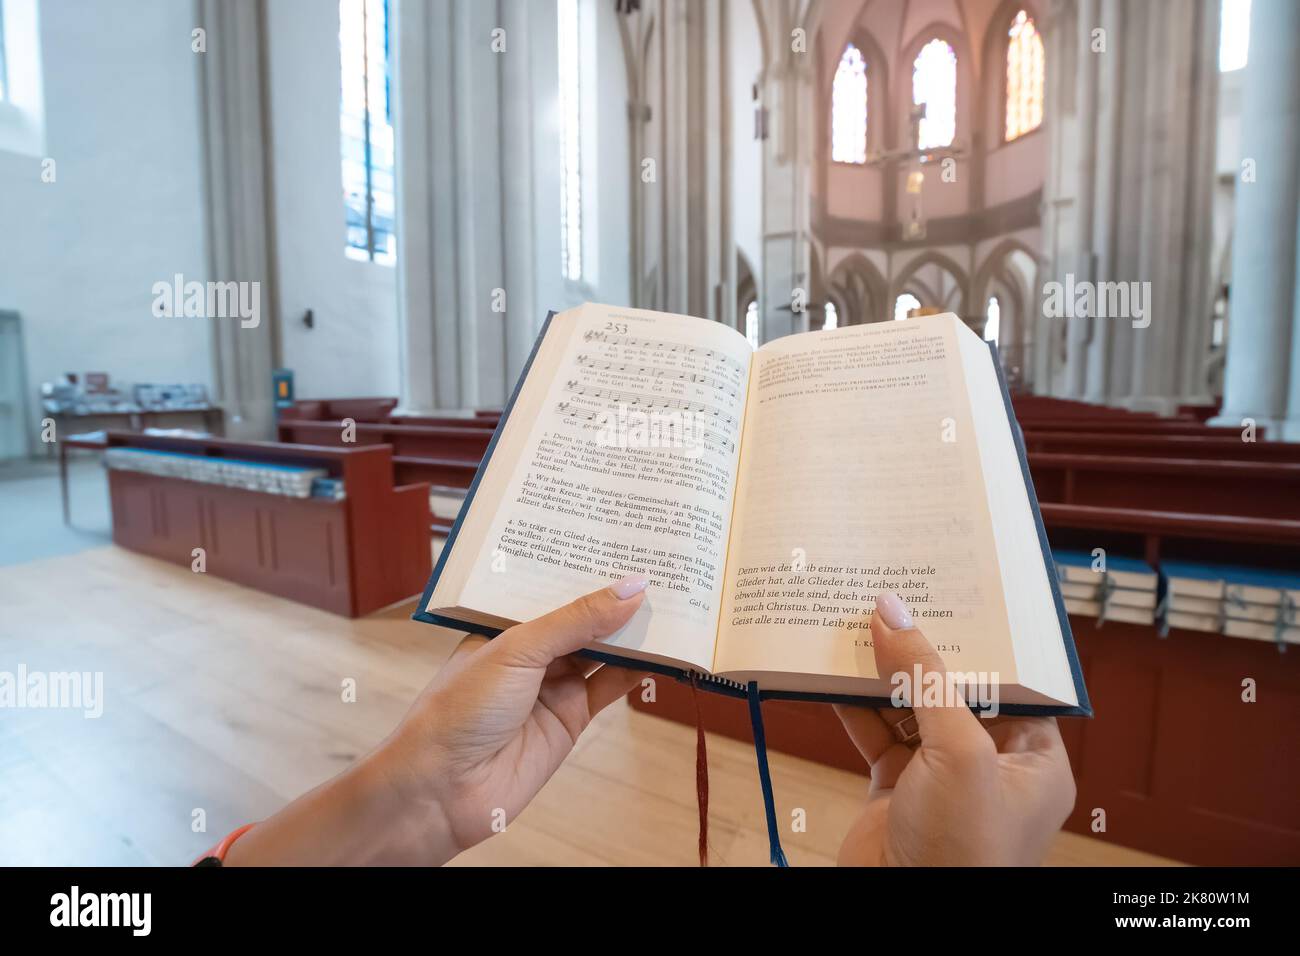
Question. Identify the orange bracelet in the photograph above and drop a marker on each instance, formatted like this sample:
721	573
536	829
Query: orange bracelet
217	855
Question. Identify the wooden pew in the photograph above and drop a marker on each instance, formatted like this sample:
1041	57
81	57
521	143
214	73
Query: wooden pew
436	421
441	456
1123	444
350	557
337	409
1126	427
1201	411
379	411
1171	742
432	443
1175	535
1263	489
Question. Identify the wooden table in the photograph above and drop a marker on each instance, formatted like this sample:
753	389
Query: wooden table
214	419
96	442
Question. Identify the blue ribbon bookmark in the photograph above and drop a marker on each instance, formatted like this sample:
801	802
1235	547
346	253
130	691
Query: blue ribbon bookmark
765	775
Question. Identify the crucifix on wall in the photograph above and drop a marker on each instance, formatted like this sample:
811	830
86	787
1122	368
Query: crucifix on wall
915	158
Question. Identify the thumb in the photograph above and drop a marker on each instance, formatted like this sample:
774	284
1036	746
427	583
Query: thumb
571	628
903	653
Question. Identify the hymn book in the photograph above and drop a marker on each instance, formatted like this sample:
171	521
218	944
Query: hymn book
768	494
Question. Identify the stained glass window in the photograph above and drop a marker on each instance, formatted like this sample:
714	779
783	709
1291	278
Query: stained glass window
849	108
570	142
934	83
904	304
366	131
993	320
1234	34
1024	77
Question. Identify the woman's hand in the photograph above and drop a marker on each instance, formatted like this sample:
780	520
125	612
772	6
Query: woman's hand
975	792
475	748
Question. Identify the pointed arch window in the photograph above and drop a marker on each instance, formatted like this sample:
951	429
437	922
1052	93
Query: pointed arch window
849	108
1024	77
934	83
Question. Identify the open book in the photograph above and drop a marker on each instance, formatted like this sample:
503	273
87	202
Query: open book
768	494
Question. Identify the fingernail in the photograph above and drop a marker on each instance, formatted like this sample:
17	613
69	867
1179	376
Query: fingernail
893	611
630	586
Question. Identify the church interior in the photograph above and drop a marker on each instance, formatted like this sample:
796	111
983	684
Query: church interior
235	434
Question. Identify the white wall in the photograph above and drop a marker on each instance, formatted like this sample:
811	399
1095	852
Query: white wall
79	256
352	349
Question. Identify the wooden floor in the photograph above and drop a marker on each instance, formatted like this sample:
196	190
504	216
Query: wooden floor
226	700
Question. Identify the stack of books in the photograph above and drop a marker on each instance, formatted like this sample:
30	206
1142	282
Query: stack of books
1107	588
290	480
1253	603
331	488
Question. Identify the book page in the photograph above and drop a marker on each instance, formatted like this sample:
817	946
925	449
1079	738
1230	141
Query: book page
622	459
860	473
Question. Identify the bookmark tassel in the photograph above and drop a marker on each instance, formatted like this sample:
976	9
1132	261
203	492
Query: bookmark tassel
765	776
701	774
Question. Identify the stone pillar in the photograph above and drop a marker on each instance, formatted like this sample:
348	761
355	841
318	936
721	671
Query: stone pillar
468	84
1058	24
238	207
1262	350
1086	64
1291	427
524	313
1109	17
1172	180
786	92
1133	138
411	70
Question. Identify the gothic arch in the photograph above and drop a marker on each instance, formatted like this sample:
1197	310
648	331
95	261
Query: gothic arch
859	291
932	257
995	262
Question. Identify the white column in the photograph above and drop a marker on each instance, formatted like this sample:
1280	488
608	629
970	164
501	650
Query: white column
1291	427
1083	260
1109	132
468	136
786	92
1167	259
1263	289
415	285
523	312
237	205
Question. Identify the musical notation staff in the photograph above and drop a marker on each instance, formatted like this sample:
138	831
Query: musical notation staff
582	413
659	345
654	371
640	400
